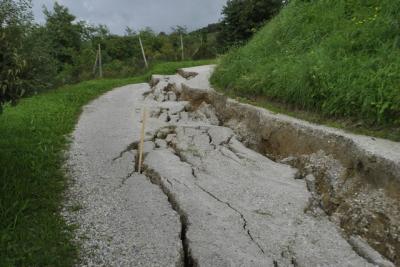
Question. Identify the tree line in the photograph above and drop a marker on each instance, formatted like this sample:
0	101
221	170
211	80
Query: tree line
35	58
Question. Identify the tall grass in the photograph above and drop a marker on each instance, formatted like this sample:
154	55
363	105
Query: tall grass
32	139
338	58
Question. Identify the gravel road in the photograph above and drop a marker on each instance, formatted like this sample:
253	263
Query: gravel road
204	199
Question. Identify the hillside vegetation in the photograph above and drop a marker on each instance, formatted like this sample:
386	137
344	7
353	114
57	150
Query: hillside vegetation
338	58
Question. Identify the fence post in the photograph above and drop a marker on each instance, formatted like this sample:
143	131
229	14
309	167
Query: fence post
183	54
144	55
100	63
95	63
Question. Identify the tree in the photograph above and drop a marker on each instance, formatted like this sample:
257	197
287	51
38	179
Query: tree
41	67
242	18
129	31
175	37
15	19
64	35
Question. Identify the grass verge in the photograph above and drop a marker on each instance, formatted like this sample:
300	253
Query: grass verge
33	136
385	132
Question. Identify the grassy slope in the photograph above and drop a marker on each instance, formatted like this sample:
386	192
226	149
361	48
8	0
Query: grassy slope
32	138
340	59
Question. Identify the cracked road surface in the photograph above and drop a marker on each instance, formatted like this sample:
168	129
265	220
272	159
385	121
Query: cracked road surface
204	199
125	220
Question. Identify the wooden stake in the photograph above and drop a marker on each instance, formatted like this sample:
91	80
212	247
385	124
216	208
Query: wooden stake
144	118
100	63
95	63
144	55
183	55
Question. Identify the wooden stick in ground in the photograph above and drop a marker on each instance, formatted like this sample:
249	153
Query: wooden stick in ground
95	63
100	63
143	53
183	54
142	140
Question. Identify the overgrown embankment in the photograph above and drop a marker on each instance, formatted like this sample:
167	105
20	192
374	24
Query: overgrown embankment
32	141
340	59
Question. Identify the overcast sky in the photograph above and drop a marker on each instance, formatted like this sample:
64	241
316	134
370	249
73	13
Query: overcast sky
160	15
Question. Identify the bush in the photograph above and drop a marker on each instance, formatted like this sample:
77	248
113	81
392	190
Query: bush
117	68
14	18
338	58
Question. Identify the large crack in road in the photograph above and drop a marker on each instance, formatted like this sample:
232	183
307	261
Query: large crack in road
204	199
245	228
156	179
245	225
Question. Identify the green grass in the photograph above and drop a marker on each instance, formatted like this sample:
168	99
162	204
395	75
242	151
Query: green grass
313	117
339	59
32	182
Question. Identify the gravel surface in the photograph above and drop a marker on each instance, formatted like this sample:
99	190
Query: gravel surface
124	219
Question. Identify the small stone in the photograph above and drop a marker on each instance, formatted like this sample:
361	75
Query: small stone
188	107
174	118
160	97
149	97
170	138
298	175
310	181
155	112
289	160
162	133
209	112
160	143
173	107
163	117
171	96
